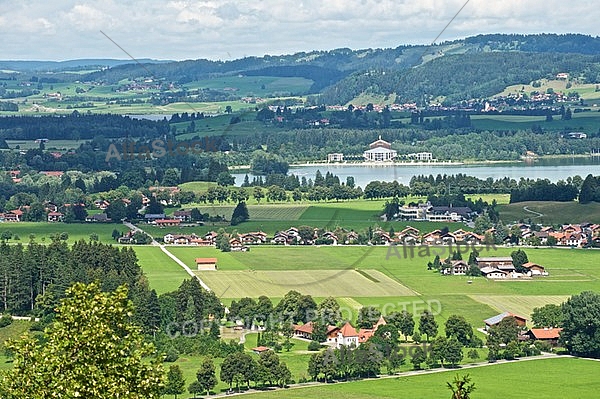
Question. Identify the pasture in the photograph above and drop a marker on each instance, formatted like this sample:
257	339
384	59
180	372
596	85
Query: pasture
567	377
553	212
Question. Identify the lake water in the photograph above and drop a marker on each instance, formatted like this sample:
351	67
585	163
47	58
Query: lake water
552	169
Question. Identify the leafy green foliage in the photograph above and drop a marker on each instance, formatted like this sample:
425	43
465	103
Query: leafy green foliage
581	326
92	350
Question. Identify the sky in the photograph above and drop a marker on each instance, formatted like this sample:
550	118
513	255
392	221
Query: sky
225	30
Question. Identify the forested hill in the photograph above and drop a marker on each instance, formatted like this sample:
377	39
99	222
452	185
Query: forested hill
477	66
465	76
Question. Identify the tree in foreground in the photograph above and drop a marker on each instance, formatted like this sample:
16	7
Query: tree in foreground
92	350
461	387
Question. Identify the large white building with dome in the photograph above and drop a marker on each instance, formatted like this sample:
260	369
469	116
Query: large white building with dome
380	151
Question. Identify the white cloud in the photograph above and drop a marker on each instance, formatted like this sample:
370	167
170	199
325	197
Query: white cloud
223	29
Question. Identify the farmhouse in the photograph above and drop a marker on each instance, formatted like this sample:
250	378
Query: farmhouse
55	217
306	330
149	217
205	264
167	222
98	217
493	321
533	269
503	263
184	216
15	215
492	272
380	151
550	334
458	268
365	333
346	336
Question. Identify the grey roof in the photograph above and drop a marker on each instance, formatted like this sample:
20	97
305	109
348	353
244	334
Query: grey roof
498	318
154	216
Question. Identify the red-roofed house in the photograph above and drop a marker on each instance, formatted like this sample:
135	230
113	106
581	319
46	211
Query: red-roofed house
535	269
545	334
15	215
347	336
55	217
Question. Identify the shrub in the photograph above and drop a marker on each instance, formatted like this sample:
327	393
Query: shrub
314	346
5	320
172	355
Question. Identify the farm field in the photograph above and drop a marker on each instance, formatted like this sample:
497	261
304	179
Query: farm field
323	271
568	377
271	218
553	212
253	283
519	304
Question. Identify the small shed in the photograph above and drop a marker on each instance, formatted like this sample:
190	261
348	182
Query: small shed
206	264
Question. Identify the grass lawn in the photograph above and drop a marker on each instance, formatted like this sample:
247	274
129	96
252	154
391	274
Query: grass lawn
563	377
553	212
163	273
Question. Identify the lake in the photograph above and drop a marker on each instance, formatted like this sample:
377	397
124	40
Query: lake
552	169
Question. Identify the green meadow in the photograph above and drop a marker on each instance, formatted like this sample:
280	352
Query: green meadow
545	378
41	231
552	212
383	277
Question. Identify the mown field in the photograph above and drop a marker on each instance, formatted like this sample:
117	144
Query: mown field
357	276
562	377
553	212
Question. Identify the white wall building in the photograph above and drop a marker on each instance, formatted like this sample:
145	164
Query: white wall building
380	151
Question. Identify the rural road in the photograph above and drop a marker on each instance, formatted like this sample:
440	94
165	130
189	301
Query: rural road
170	255
538	215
